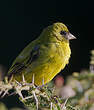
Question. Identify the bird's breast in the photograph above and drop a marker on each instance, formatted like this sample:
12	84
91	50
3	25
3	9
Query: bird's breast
52	60
61	54
59	57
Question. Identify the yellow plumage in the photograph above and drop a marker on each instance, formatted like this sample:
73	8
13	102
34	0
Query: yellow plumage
44	57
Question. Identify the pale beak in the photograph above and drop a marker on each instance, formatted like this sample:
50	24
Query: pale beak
70	36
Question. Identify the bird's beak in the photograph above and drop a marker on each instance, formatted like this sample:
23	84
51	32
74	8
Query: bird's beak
70	36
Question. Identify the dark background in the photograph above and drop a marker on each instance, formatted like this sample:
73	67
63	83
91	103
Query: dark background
22	21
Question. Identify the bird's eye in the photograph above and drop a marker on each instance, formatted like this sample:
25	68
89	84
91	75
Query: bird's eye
63	32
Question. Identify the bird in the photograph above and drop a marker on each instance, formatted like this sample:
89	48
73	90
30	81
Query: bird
43	57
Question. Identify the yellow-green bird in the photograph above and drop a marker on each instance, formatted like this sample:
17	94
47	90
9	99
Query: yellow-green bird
44	57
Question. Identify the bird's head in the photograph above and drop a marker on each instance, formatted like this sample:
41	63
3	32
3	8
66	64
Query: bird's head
61	32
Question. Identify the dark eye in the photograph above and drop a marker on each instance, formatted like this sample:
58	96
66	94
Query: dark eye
63	32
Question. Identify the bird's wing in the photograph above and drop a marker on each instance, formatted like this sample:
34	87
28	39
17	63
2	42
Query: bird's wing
27	56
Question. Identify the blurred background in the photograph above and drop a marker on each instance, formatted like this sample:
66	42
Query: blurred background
22	21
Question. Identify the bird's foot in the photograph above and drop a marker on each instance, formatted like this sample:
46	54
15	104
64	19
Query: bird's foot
39	87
